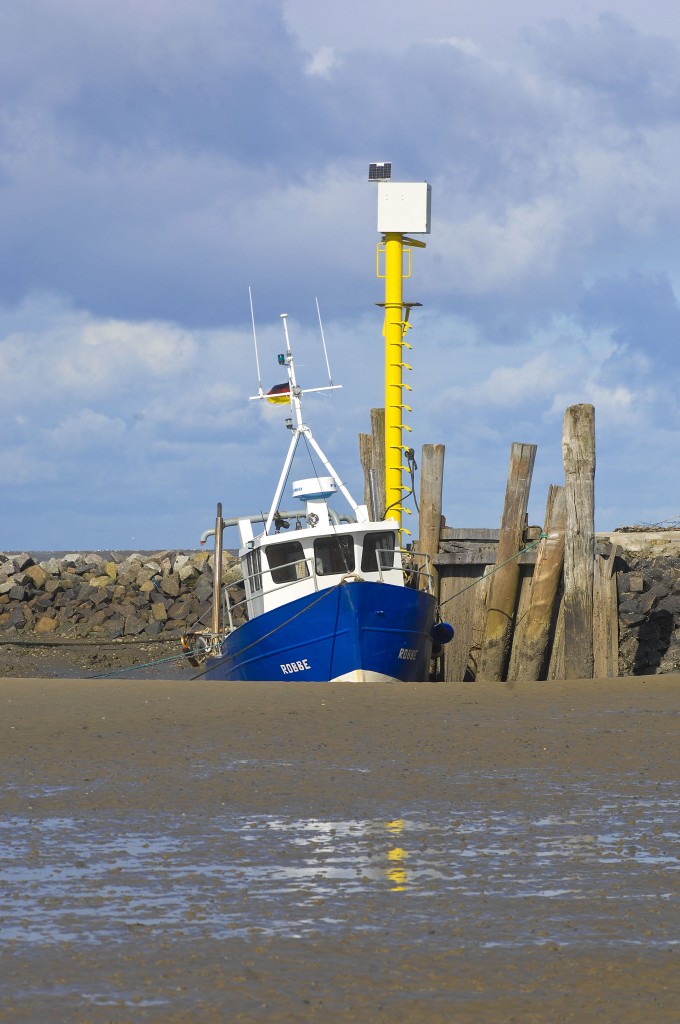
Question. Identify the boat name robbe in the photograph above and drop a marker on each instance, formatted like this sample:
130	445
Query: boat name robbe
407	654
294	666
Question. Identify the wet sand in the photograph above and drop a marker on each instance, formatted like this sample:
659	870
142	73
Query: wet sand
176	851
69	658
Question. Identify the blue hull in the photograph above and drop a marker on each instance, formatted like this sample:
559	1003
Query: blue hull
361	631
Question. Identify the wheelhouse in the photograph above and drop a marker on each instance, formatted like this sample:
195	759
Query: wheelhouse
282	567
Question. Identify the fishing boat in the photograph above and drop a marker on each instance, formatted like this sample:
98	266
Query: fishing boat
337	597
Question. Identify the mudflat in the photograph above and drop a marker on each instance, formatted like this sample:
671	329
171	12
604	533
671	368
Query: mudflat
198	851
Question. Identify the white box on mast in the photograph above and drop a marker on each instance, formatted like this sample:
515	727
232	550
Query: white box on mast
404	206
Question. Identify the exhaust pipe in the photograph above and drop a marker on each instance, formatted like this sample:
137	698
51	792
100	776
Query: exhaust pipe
217	573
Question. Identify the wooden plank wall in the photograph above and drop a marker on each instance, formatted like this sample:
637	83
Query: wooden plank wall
465	558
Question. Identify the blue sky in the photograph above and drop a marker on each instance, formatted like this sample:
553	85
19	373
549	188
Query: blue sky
158	159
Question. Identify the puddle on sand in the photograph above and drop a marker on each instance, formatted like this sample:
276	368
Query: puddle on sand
602	871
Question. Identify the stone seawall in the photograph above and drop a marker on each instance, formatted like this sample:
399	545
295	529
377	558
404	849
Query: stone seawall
160	595
146	595
648	585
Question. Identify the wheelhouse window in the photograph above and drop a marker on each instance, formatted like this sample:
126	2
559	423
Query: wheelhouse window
378	551
287	562
254	566
333	555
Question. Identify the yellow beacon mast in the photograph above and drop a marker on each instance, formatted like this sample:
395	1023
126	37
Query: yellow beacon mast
403	210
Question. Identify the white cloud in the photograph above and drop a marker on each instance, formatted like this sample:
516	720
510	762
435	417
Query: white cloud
466	46
76	354
323	61
86	430
164	349
488	255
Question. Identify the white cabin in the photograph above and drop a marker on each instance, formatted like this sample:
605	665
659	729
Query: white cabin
282	567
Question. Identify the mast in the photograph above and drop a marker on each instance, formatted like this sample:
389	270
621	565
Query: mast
402	207
395	407
299	428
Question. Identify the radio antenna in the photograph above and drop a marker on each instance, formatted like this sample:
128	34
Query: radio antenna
257	359
323	342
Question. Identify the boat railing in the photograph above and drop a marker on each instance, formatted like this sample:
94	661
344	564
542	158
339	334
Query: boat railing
417	568
229	609
300	569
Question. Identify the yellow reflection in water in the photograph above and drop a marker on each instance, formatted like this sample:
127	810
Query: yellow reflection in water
396	871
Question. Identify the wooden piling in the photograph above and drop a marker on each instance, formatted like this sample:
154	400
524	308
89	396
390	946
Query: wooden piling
578	454
430	517
556	667
605	613
503	587
366	458
372	456
530	661
378	432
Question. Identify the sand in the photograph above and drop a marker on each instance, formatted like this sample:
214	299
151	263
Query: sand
201	851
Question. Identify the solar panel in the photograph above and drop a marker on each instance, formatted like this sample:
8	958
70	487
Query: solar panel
379	172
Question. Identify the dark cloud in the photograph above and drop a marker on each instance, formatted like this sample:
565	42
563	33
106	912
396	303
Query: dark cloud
639	308
635	76
136	143
139	145
443	111
219	77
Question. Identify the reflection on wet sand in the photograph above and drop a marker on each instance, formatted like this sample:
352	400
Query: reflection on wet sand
396	871
273	873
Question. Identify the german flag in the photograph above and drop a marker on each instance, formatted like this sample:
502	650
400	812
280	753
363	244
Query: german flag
279	394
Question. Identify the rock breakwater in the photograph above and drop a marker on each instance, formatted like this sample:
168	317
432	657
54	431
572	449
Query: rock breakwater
146	595
649	613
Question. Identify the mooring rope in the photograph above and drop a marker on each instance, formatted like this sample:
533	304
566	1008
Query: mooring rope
147	664
113	642
265	636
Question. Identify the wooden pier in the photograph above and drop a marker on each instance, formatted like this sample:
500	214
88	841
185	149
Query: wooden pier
526	602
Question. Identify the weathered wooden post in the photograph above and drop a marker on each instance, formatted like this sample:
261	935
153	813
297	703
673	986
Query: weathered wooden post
372	456
578	454
366	458
605	613
503	586
531	659
378	431
430	518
